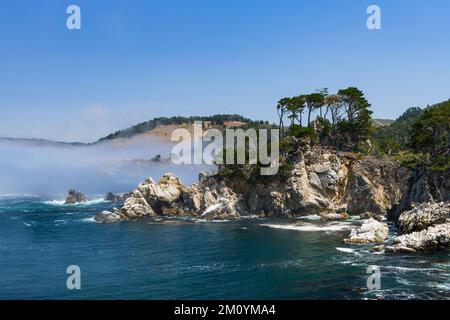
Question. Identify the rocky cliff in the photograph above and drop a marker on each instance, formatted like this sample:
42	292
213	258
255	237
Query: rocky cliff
422	186
321	182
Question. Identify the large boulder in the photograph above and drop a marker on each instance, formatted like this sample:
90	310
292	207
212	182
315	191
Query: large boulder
433	238
424	228
423	216
161	194
75	197
371	231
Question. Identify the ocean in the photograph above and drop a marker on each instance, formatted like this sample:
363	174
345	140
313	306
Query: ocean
251	258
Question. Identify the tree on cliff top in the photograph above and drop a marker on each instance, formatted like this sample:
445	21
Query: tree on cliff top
430	134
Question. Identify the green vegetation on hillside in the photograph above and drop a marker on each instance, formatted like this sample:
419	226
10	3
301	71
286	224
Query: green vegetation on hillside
418	137
430	136
396	137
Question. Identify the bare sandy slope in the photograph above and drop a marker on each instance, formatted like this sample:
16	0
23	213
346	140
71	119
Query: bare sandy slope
163	133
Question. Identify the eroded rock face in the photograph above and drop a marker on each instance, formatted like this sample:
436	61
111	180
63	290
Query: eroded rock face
208	199
424	228
423	216
75	197
422	186
430	239
371	231
326	183
321	182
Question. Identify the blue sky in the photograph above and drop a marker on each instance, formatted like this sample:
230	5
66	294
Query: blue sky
135	60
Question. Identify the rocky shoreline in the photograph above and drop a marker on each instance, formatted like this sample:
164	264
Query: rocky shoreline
332	185
321	182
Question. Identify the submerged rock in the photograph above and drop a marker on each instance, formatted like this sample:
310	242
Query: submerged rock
75	197
371	231
108	217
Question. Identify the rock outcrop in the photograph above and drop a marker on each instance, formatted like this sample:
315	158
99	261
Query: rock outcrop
423	216
117	197
371	231
423	185
75	197
430	239
326	183
424	228
323	182
207	199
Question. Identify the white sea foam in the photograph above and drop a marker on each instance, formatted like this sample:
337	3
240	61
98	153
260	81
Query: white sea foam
442	286
90	220
310	217
254	216
54	202
309	227
347	250
209	221
406	269
87	203
60	222
403	281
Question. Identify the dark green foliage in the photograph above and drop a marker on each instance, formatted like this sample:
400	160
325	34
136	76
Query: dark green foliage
431	132
420	137
302	132
345	123
357	126
396	137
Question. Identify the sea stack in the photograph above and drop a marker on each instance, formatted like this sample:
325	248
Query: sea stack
75	197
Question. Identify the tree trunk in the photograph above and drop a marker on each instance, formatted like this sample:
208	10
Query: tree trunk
309	116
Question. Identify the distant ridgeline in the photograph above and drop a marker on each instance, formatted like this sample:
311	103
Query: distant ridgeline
219	119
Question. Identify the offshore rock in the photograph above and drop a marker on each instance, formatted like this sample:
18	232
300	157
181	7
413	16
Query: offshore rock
75	197
371	231
430	239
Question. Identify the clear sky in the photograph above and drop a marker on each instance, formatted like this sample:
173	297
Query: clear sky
135	60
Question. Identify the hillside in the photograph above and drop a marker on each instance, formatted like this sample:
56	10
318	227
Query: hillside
395	137
223	120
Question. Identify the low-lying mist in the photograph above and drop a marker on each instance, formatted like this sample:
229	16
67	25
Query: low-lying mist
50	170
